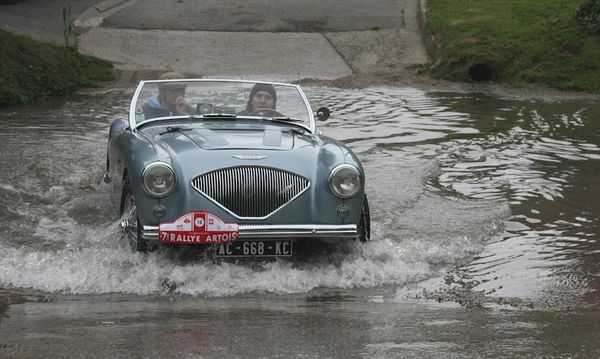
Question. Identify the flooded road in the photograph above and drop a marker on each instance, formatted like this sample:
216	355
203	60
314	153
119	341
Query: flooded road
485	241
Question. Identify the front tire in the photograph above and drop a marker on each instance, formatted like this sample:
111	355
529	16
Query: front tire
131	223
364	225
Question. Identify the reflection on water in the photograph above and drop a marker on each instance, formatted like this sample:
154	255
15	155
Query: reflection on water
496	192
539	157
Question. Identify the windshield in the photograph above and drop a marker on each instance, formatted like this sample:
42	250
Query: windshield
214	99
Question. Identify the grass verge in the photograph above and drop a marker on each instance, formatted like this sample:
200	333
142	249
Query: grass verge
30	70
517	42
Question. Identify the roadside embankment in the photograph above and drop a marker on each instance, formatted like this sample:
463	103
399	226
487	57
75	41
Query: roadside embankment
518	43
30	69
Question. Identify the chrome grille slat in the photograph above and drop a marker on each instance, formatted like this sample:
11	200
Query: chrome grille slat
250	191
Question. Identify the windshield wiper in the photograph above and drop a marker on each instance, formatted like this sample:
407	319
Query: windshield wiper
300	131
171	129
287	119
216	115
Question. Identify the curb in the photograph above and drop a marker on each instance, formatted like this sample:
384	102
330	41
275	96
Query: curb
95	15
429	42
108	4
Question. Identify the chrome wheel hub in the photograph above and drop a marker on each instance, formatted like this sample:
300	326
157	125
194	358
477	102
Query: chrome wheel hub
129	221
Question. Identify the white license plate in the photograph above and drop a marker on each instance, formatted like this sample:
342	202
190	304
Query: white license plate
255	249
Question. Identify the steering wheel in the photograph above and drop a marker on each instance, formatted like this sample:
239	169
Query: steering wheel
265	112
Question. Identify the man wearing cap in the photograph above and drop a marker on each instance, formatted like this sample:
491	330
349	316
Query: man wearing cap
262	96
170	100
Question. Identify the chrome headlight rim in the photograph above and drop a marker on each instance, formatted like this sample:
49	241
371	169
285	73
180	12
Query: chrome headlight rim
335	171
145	172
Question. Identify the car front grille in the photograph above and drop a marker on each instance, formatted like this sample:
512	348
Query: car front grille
250	191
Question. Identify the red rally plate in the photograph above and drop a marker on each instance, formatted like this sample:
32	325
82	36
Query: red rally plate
198	227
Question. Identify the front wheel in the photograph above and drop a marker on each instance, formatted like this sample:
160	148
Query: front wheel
130	223
364	224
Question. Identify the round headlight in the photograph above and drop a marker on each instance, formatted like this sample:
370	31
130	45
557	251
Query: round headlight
345	181
158	179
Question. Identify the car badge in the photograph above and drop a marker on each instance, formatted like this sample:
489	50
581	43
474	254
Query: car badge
249	157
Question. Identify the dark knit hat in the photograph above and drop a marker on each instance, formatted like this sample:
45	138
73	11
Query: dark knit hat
262	87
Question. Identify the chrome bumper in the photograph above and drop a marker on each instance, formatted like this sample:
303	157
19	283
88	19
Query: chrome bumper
289	231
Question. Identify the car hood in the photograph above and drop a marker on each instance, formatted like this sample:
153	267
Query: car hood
209	139
198	150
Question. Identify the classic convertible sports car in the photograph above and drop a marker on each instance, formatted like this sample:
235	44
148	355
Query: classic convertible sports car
234	166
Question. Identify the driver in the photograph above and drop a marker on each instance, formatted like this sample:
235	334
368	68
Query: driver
262	96
170	100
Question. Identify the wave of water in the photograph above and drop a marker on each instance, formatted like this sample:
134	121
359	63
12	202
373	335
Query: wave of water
67	251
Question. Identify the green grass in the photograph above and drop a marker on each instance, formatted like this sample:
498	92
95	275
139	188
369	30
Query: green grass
30	70
523	42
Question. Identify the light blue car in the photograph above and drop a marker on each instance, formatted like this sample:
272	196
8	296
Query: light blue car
236	167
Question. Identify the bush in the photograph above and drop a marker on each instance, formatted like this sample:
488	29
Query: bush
588	15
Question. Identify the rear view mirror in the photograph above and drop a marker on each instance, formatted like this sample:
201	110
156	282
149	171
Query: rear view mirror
322	114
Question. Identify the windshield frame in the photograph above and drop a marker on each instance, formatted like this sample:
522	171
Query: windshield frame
132	107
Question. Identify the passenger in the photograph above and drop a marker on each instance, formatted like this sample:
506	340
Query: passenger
262	96
170	100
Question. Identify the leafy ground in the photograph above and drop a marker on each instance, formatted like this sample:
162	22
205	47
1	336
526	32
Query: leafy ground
517	42
30	69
